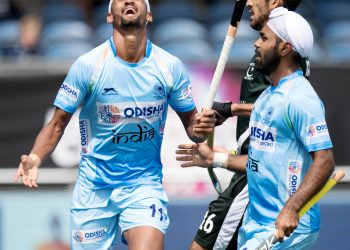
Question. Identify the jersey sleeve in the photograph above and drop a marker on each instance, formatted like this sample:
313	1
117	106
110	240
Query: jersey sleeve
180	96
308	120
75	87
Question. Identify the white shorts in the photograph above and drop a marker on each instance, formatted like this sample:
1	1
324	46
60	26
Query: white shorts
96	214
252	235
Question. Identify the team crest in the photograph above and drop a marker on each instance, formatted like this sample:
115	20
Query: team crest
158	91
268	115
250	72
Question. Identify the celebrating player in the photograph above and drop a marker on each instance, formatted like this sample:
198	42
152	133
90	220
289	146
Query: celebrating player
124	86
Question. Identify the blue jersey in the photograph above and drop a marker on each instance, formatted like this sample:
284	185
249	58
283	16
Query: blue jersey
124	108
287	123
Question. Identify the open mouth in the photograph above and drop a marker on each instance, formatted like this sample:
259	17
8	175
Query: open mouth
129	11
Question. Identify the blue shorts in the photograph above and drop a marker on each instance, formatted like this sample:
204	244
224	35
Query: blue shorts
96	214
251	235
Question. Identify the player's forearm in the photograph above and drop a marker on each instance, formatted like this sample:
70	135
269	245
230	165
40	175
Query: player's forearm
316	177
241	109
47	139
235	163
229	109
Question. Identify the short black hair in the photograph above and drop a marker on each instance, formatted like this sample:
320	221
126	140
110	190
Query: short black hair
291	4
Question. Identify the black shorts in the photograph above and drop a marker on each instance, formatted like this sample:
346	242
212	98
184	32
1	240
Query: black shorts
219	229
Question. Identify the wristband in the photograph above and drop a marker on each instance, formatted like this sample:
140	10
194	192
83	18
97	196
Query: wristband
224	108
220	160
35	158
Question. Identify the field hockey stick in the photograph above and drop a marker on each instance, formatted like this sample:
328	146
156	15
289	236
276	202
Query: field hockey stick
270	241
230	37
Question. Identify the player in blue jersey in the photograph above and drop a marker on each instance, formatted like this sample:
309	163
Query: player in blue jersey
289	157
225	213
124	87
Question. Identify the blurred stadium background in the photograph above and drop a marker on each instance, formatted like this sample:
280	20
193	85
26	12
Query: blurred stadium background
39	39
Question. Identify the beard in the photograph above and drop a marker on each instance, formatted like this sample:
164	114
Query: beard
129	24
269	64
263	17
259	23
136	23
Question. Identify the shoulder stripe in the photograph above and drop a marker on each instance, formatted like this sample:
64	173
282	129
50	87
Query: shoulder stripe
98	66
164	68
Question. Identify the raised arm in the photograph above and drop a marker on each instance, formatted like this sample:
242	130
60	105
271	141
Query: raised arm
44	144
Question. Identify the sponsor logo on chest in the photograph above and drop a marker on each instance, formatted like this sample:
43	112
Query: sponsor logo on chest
140	134
262	137
109	92
252	164
113	113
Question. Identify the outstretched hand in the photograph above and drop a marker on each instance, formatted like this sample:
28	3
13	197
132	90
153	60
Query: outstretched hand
200	155
28	170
